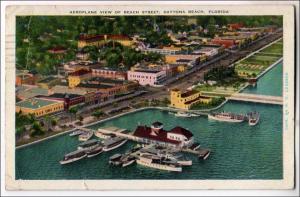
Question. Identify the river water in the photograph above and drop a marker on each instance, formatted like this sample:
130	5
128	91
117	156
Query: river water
238	150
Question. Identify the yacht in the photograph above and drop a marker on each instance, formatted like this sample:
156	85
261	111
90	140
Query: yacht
227	117
90	144
195	146
95	151
115	159
121	160
183	114
113	143
127	160
149	161
73	156
85	136
253	118
77	132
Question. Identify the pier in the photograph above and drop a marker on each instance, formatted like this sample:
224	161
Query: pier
276	100
202	153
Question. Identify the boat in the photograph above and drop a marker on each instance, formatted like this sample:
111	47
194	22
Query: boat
95	151
115	159
90	144
204	154
127	160
113	143
227	117
160	164
183	114
86	136
73	156
166	156
77	132
195	146
121	160
253	118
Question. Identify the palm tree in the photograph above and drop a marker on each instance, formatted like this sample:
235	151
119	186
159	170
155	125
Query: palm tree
73	111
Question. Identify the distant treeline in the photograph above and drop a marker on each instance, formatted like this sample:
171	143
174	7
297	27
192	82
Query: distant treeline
36	34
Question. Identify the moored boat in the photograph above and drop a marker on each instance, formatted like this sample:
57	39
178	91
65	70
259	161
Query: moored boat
115	159
127	160
77	132
95	151
183	114
195	146
253	118
73	156
227	117
85	136
113	143
90	144
148	161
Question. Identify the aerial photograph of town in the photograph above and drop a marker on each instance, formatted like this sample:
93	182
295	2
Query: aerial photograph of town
149	97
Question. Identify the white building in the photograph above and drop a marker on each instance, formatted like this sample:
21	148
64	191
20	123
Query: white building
147	77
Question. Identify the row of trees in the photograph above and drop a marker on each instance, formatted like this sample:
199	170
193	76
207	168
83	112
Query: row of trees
36	34
115	55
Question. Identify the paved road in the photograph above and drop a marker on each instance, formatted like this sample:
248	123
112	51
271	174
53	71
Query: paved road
197	75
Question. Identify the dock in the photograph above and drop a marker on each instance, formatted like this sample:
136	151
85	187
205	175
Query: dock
201	153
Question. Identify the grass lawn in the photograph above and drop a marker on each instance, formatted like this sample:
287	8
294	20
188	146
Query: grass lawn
258	62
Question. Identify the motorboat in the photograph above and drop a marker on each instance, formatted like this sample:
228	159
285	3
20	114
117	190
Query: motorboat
73	156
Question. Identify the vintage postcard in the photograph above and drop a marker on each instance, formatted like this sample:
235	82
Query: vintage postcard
135	97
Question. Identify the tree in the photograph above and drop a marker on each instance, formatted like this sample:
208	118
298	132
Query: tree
73	111
211	26
37	129
97	113
80	118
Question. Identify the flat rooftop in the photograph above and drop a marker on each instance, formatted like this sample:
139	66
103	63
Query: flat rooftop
95	86
35	103
147	71
189	93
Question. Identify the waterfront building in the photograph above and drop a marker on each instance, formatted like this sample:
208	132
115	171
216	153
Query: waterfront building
91	96
39	107
187	99
177	137
147	77
101	39
70	100
108	88
76	77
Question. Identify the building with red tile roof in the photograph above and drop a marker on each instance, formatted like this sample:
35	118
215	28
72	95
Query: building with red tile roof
155	134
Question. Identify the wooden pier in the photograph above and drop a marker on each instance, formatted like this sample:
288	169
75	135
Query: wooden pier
201	153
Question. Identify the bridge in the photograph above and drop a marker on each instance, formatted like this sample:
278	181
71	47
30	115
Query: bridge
276	100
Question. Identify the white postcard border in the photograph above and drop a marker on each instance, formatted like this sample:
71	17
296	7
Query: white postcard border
288	132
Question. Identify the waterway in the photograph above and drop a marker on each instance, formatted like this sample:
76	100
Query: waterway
268	84
238	150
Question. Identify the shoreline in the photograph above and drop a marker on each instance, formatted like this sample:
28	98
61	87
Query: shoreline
160	108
